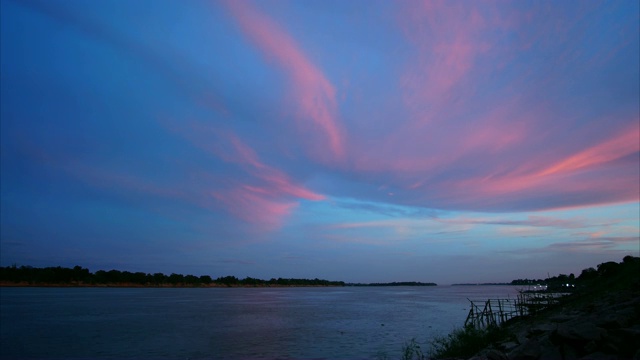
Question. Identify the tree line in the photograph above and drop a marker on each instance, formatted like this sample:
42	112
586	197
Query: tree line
400	283
82	276
603	270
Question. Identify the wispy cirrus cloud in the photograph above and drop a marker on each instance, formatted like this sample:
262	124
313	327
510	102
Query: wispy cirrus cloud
531	221
625	143
265	196
581	179
481	132
605	244
314	94
447	38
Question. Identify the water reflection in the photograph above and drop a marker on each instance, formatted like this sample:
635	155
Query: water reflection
358	322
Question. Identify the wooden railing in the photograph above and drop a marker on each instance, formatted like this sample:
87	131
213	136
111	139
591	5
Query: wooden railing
497	311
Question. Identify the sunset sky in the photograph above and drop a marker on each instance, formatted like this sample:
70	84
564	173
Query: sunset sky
363	141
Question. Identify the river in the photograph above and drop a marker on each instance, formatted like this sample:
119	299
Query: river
220	323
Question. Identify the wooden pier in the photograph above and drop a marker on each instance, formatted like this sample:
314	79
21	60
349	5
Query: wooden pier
497	311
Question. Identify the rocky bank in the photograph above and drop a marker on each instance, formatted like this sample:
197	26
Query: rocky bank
601	324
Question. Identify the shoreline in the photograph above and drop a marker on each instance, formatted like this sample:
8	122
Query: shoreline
599	320
163	286
581	326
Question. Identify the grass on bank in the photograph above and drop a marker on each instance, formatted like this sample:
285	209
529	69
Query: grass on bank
461	343
466	342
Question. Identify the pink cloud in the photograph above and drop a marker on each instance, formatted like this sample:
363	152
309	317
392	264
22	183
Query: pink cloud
244	153
227	146
270	194
265	196
445	36
314	94
594	158
442	131
255	205
415	157
512	176
281	183
627	142
503	154
589	175
274	182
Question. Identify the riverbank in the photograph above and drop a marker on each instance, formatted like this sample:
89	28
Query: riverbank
607	327
80	277
600	321
168	286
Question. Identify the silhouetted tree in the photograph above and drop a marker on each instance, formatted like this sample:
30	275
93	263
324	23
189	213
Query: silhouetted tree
159	278
191	280
228	280
608	269
139	278
176	278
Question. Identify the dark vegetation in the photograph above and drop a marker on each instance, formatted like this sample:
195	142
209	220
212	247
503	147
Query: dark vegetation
607	284
586	277
401	283
484	284
560	282
79	276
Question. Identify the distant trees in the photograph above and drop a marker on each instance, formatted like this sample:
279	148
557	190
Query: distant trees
176	279
610	269
81	276
46	275
158	278
527	282
249	281
398	283
588	274
227	280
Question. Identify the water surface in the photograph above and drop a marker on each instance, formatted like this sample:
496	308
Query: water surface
181	323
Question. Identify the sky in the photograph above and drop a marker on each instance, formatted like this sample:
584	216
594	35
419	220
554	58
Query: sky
362	141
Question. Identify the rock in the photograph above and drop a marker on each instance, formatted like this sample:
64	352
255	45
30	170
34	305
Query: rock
619	318
531	350
560	318
551	353
591	347
610	321
523	352
521	336
589	308
541	329
599	356
490	354
573	337
621	341
496	355
625	304
568	352
577	334
508	346
611	347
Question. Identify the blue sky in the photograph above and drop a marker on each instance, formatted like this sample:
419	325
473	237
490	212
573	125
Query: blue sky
361	141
